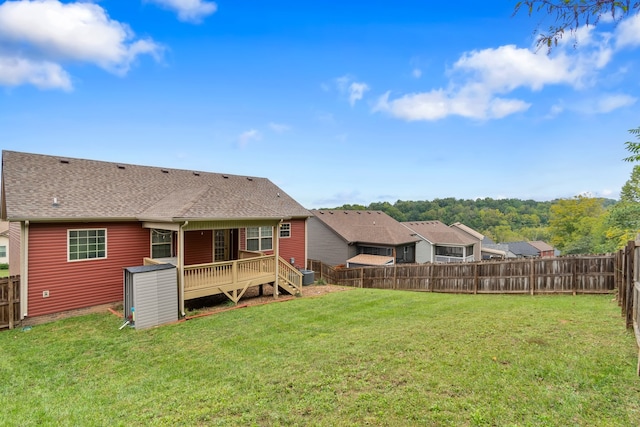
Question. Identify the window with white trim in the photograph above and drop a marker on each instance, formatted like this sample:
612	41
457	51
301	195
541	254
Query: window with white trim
285	230
3	251
87	244
161	243
259	238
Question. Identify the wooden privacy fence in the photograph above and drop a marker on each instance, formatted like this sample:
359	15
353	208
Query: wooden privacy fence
562	275
9	301
627	269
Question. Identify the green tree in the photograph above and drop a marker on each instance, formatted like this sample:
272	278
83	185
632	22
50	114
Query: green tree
623	220
633	147
577	225
571	14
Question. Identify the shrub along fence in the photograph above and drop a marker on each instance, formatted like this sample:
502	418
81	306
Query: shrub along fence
561	275
9	301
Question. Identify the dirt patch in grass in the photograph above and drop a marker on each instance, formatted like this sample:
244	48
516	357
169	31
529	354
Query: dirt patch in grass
251	297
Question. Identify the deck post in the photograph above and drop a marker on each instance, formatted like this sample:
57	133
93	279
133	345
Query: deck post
276	246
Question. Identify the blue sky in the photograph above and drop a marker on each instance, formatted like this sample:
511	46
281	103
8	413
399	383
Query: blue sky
335	102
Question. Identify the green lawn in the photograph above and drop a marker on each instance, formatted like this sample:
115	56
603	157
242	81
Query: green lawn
4	273
359	357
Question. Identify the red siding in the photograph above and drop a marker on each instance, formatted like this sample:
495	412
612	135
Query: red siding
290	247
198	247
294	246
80	284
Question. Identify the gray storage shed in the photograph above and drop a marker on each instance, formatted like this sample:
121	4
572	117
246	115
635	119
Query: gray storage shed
151	295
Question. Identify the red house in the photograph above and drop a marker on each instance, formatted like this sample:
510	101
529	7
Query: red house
75	224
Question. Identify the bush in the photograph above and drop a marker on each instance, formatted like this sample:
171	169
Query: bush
4	266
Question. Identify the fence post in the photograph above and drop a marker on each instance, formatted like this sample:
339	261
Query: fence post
629	282
574	276
475	279
10	297
531	277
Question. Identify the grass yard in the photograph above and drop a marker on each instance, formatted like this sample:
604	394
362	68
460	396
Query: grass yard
4	273
358	357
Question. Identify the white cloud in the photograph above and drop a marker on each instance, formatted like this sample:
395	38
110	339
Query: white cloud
354	90
279	127
193	11
480	79
47	33
606	104
417	73
438	104
628	32
248	136
44	75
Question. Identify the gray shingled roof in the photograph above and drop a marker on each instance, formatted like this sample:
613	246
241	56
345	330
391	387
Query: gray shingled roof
375	227
437	232
522	248
96	190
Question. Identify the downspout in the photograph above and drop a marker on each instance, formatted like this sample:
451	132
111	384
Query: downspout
24	269
181	265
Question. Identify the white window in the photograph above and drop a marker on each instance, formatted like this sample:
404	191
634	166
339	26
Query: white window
3	251
259	238
285	230
86	244
161	243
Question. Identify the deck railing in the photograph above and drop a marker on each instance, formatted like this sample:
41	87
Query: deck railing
234	277
223	277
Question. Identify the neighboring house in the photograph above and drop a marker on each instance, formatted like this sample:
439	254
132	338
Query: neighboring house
359	238
75	224
544	249
493	250
523	249
4	242
442	243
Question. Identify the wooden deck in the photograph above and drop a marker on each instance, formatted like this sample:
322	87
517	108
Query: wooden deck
233	278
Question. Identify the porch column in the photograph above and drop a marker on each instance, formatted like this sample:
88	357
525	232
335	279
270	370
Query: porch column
276	245
181	266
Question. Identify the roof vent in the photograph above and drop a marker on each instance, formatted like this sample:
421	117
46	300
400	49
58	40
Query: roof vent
196	174
165	171
225	176
64	161
55	203
120	166
249	178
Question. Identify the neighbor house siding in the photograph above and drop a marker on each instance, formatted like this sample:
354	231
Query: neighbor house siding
14	248
198	247
293	246
424	252
326	246
79	284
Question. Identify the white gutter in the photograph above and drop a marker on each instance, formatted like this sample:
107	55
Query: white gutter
24	269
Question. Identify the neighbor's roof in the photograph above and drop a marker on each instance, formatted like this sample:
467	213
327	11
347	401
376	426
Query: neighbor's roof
374	227
41	187
437	232
522	248
365	259
541	246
